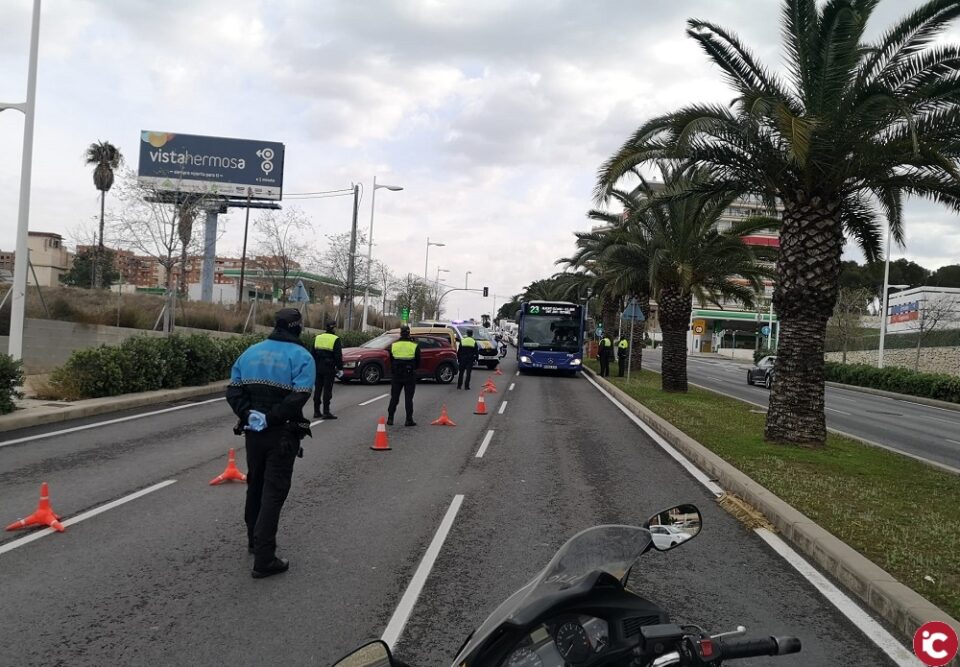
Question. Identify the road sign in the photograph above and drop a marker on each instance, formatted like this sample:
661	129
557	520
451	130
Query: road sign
299	293
698	329
214	165
765	330
633	312
405	314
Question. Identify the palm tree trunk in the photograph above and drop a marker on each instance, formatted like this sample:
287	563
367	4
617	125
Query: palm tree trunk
808	269
675	311
98	260
609	315
639	331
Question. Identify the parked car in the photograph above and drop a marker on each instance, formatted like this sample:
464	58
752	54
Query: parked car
665	537
762	372
370	363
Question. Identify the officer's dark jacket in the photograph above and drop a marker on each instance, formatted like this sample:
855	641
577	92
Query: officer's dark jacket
274	377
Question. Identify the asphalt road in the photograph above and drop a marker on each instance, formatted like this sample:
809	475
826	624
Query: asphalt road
922	431
164	579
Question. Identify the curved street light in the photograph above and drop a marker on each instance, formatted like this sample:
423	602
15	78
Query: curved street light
366	287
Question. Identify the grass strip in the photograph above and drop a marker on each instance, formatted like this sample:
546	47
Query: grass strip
899	512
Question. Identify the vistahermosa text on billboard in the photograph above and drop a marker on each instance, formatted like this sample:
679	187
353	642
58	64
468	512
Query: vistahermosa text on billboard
215	165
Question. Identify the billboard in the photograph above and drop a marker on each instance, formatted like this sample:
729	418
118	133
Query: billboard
215	165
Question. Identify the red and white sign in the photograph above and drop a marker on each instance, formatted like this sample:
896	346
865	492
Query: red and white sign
935	643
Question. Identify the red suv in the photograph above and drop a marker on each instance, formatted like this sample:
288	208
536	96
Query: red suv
370	362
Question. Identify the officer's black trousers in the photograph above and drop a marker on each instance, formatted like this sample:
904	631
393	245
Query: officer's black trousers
406	382
466	367
324	389
621	364
269	471
604	365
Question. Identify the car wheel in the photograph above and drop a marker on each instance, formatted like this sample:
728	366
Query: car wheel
445	373
371	374
749	378
768	382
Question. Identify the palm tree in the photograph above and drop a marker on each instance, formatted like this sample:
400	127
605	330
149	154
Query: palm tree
852	129
106	157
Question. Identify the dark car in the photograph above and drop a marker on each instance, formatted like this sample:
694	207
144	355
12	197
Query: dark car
370	363
762	372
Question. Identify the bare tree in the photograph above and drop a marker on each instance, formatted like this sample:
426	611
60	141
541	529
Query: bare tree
384	279
334	262
852	303
281	245
412	293
932	314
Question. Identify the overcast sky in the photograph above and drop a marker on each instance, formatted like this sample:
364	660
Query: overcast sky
493	115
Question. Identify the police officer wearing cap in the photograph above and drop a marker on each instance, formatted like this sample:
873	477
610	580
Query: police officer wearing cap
269	385
328	354
404	362
467	354
622	347
606	353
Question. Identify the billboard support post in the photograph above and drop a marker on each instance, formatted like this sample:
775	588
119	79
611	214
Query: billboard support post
243	257
209	253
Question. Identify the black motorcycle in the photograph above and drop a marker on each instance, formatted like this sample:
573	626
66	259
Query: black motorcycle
578	612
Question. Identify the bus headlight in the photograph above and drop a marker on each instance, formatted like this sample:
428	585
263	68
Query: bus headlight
525	360
575	362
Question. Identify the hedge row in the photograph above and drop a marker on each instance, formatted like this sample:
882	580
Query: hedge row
11	379
901	380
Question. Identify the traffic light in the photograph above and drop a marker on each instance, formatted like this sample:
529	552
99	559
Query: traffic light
486	291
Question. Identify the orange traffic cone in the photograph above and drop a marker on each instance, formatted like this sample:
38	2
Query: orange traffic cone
380	443
481	405
498	371
444	419
44	516
489	387
231	473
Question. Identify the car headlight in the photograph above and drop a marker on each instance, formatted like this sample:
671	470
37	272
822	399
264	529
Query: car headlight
575	362
525	359
349	364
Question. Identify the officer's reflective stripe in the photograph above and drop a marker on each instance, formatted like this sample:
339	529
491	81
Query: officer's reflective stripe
404	350
623	345
468	342
325	341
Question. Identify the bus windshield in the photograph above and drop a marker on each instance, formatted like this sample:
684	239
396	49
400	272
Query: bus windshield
552	333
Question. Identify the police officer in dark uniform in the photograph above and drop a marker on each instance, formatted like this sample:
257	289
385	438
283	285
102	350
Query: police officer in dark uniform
606	352
269	385
328	354
467	354
622	348
404	362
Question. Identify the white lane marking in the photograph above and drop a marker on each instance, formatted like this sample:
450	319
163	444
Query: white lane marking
10	546
716	378
503	406
956	442
483	446
512	385
873	630
319	421
837	411
924	405
373	400
517	374
108	422
402	613
698	474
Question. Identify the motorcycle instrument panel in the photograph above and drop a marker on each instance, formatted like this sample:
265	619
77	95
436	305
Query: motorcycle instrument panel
571	640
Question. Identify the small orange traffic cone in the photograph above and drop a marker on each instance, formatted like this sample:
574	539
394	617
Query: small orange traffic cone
498	371
481	405
444	418
489	387
43	516
380	443
231	472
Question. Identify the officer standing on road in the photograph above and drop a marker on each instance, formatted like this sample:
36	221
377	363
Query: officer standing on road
467	354
269	385
606	352
328	354
622	347
404	362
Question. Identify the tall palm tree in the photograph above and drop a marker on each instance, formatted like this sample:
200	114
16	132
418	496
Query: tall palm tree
106	157
851	130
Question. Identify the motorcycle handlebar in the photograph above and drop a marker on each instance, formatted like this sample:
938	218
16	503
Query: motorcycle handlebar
748	648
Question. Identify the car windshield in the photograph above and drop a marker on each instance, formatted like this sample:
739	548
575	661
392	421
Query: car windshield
555	334
380	342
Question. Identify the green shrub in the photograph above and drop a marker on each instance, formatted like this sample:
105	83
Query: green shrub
90	373
11	379
142	364
900	380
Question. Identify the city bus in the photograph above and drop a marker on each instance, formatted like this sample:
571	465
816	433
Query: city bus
550	336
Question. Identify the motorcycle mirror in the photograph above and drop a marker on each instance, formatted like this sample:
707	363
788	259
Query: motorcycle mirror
672	527
374	654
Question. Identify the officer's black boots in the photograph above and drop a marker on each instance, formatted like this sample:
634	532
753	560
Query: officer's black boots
277	566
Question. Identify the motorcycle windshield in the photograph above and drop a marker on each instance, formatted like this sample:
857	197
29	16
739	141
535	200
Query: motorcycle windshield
611	549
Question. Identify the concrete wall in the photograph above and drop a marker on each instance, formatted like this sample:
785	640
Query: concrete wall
932	359
48	344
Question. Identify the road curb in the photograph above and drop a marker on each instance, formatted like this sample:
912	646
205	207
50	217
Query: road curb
901	606
38	416
922	400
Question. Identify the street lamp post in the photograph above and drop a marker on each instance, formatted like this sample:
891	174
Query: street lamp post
426	259
366	288
883	318
466	280
436	315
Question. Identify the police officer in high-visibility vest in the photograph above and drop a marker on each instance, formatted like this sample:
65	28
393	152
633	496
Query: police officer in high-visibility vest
622	348
606	353
328	353
467	355
404	362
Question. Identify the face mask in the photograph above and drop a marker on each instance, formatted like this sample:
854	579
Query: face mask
295	330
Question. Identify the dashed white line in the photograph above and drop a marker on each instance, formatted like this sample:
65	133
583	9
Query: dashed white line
402	613
503	406
108	422
376	398
512	385
713	377
10	546
483	446
319	421
956	442
517	374
838	411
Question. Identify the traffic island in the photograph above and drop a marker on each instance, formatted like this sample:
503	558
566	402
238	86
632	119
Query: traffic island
870	517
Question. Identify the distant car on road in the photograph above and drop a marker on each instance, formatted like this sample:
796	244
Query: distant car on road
762	372
665	537
370	363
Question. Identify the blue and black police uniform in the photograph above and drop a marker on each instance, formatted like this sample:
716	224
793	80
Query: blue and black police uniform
274	379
